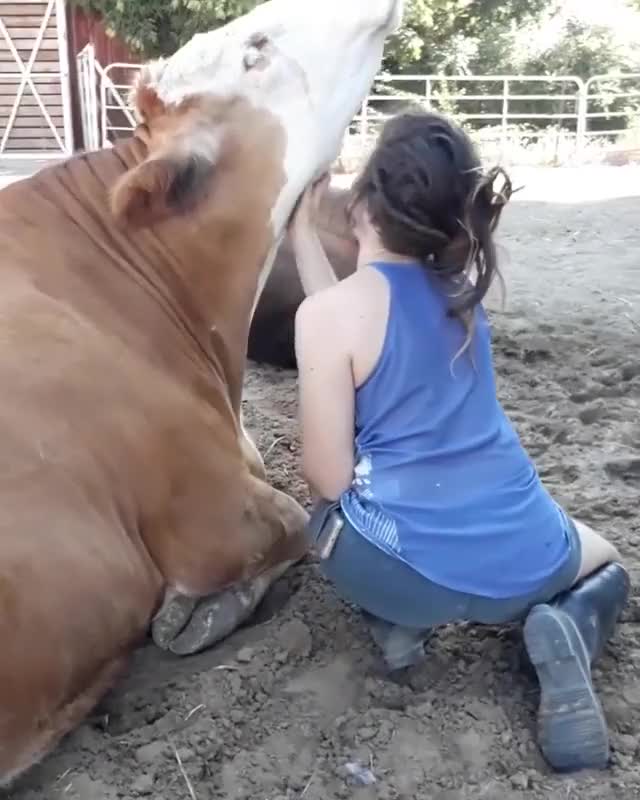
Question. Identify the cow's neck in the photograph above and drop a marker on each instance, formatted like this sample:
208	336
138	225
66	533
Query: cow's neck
333	218
211	262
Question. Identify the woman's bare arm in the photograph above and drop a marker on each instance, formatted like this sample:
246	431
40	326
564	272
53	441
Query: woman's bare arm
314	268
326	395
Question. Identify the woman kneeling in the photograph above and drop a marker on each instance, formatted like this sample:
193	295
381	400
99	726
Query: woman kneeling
432	511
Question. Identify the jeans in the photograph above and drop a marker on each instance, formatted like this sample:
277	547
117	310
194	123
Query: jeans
402	606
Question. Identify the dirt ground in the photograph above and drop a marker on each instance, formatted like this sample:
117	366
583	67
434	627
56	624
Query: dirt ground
294	706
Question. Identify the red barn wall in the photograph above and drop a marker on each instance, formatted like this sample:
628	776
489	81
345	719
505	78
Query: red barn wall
84	28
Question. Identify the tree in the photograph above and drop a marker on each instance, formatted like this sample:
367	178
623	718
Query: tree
443	35
430	37
159	27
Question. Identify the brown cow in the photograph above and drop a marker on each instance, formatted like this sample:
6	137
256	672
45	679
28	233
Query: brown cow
271	338
128	490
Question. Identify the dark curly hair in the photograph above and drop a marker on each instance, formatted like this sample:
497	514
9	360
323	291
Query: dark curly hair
428	198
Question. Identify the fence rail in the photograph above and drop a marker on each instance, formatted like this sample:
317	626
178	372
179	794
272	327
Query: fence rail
513	118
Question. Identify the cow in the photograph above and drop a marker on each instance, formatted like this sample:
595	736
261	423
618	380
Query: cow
131	499
271	337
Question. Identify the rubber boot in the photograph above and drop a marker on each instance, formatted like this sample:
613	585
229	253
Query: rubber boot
401	647
563	639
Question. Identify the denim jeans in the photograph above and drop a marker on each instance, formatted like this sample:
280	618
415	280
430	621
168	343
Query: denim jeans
402	606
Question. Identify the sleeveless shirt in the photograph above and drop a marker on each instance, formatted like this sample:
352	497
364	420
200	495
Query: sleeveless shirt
442	480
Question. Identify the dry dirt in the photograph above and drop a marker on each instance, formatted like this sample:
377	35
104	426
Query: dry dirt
294	707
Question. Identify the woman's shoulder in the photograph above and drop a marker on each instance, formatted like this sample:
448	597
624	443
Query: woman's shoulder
353	292
365	287
349	311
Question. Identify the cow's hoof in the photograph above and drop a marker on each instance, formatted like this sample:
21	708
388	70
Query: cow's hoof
185	625
172	618
214	619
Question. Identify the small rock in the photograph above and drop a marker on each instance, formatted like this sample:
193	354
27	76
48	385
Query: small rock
281	657
237	716
361	775
631	696
624	743
82	787
623	467
295	638
150	752
591	413
522	327
520	781
143	785
631	371
625	761
186	754
245	655
367	733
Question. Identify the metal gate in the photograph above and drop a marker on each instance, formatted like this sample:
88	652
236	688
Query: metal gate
35	101
515	119
104	94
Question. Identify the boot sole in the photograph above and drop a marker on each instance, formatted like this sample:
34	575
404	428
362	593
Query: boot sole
572	730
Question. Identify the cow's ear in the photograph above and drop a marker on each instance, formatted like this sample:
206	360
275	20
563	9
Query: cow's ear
159	188
172	180
143	97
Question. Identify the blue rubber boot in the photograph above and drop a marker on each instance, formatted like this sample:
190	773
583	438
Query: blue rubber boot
401	647
563	638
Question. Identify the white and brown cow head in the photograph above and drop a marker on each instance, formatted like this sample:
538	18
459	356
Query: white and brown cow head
263	102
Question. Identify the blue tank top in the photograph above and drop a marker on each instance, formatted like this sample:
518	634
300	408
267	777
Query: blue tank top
441	479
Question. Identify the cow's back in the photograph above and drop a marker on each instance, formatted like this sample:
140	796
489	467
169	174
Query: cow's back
76	581
98	422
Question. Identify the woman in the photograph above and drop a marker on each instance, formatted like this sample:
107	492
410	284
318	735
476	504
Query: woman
431	512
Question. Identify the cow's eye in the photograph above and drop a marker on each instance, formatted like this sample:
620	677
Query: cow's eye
255	54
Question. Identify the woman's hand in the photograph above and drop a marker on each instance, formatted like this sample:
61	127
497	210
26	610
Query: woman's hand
304	218
316	273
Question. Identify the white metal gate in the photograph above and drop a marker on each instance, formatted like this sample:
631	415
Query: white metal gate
103	100
515	119
35	98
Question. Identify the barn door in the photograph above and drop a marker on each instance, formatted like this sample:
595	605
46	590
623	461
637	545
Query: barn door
35	112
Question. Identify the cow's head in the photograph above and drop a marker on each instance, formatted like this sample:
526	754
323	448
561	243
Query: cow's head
269	95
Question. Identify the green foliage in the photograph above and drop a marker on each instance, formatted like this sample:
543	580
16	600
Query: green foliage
540	37
551	42
158	27
588	51
429	40
584	50
442	35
